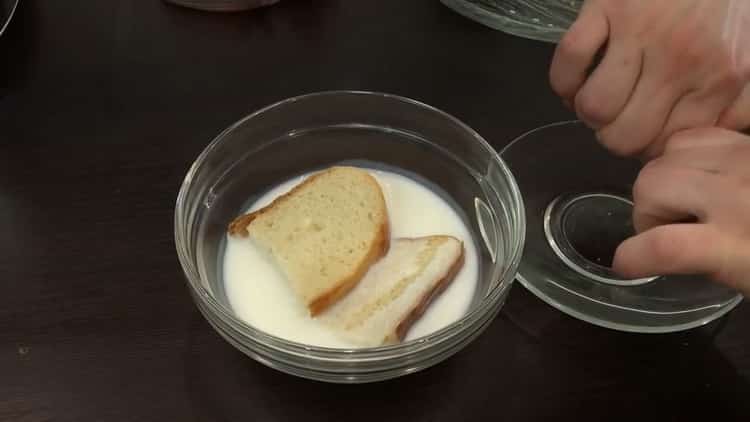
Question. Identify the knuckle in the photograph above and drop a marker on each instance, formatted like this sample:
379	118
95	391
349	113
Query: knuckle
727	76
743	194
617	146
744	71
571	45
642	220
617	7
616	10
668	246
592	109
723	271
685	52
558	85
623	149
623	139
733	118
685	55
654	149
731	79
644	183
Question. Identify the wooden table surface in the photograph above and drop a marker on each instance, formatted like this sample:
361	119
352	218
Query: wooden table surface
103	107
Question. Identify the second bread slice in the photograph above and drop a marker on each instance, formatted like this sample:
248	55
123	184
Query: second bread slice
396	291
324	234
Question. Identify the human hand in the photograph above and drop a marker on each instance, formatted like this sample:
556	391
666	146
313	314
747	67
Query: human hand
703	176
668	65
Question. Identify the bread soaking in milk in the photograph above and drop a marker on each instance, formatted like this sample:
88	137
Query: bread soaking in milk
350	257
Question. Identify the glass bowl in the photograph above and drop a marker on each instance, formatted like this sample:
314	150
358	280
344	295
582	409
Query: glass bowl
542	20
314	131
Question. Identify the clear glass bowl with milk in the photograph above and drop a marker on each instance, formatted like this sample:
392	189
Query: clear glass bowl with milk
436	173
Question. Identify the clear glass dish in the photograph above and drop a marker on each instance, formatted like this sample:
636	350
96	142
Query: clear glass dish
543	20
578	210
314	131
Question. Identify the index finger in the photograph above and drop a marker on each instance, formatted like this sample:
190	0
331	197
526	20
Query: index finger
577	50
682	249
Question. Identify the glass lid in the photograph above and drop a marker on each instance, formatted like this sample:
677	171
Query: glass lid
7	8
578	210
543	20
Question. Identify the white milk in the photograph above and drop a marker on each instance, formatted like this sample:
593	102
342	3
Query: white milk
260	295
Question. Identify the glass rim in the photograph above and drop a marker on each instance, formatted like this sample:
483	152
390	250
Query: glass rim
4	25
505	276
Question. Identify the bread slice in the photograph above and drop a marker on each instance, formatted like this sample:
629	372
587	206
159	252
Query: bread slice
324	234
396	291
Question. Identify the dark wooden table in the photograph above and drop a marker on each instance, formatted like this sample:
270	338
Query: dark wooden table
104	105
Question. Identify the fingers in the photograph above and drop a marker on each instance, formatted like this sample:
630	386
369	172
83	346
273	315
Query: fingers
577	49
704	177
608	89
665	193
685	249
664	70
679	249
737	116
645	115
